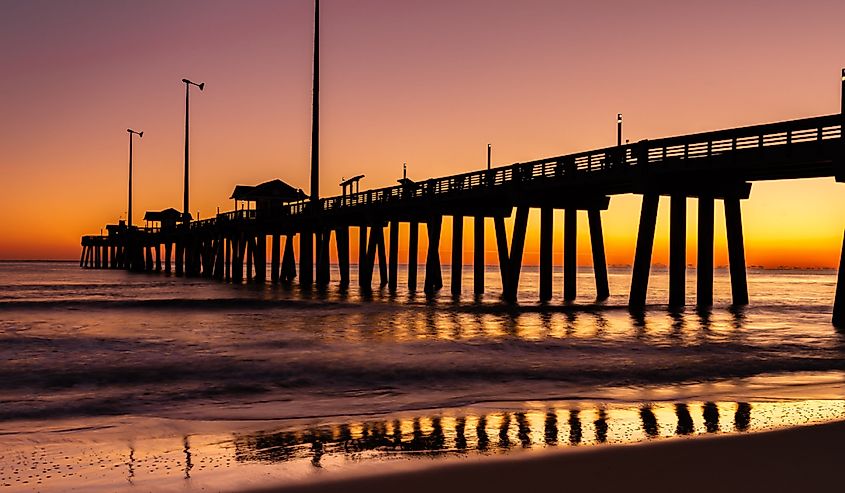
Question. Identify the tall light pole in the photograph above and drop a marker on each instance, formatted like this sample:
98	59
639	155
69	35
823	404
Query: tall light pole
185	208
619	129
315	116
489	153
129	214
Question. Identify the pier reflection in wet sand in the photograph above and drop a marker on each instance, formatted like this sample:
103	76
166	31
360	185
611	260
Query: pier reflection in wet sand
461	434
201	459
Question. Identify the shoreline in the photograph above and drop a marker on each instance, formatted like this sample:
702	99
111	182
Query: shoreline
800	458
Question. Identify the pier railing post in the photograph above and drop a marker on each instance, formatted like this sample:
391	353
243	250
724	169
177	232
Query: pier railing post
677	250
645	245
546	260
599	257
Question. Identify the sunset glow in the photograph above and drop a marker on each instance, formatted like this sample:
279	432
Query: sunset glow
427	83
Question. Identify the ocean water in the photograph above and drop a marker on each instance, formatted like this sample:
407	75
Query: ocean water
106	368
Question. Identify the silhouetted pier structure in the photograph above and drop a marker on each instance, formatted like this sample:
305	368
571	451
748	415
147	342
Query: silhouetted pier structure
708	166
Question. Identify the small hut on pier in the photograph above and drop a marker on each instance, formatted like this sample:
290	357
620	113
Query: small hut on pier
163	220
266	196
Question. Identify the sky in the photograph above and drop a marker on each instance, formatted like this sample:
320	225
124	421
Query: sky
427	82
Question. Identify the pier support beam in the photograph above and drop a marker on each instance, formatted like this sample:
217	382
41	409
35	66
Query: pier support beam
323	267
288	261
250	255
502	251
839	297
478	255
342	243
433	275
413	253
363	254
570	254
704	271
677	250
306	258
275	257
393	268
645	245
261	258
736	251
382	255
457	254
599	257
520	227
546	244
180	256
168	252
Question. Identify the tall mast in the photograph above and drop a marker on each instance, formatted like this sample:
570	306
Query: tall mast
315	118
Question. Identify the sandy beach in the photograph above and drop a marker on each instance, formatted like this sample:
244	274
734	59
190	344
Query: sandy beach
805	458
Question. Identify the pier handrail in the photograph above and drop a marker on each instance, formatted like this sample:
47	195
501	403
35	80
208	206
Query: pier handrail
645	152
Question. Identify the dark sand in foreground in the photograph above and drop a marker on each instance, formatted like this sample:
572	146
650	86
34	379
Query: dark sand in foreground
808	458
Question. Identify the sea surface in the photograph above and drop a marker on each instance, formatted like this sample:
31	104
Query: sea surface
111	380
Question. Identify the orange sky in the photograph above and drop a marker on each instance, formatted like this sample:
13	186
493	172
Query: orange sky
425	82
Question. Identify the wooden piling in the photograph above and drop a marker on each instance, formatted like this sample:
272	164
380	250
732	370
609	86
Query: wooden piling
570	254
838	318
433	275
520	227
478	255
250	254
363	255
457	254
306	258
704	271
378	231
342	242
289	261
645	245
599	257
275	258
413	252
393	268
677	250
546	244
261	258
502	250
736	251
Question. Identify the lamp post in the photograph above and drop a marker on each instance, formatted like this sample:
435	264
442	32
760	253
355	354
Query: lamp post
619	129
129	213
185	209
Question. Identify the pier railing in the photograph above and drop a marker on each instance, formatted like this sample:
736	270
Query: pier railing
609	159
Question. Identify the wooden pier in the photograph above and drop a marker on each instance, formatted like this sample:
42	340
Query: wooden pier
708	166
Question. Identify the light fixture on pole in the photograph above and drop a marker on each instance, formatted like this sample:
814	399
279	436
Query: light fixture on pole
619	129
185	208
129	212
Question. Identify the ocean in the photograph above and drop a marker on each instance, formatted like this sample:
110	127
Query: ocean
111	380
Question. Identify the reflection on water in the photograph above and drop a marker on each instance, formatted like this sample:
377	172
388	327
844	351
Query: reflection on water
296	450
460	434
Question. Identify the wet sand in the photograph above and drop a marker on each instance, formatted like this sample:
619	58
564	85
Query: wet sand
807	458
